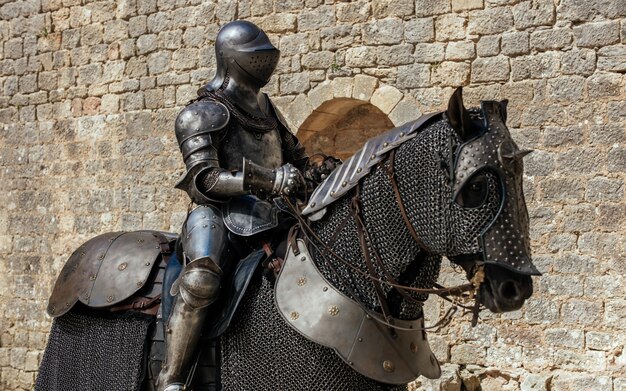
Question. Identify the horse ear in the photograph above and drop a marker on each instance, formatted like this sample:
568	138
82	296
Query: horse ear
503	105
458	116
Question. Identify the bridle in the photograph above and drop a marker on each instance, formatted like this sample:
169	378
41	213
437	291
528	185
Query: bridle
456	295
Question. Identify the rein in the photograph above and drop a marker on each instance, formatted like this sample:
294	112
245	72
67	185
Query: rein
364	236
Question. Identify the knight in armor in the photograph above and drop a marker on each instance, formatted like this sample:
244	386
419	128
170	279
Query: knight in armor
238	154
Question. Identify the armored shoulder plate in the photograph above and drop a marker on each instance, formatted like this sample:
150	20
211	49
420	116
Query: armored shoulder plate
107	269
200	118
346	176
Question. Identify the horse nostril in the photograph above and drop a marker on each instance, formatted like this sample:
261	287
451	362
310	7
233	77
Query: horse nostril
509	290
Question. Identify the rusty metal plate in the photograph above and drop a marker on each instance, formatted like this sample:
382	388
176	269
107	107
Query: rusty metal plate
106	270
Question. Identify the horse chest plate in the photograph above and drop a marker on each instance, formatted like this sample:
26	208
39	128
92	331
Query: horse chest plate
318	311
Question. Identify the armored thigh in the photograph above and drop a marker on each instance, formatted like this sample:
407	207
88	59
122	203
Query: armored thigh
207	251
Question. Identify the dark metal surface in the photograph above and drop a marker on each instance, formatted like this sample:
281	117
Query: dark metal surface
246	216
243	51
506	241
106	270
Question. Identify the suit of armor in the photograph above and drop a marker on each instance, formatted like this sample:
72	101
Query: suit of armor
237	151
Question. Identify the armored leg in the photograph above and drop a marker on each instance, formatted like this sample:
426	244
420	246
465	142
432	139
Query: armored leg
206	250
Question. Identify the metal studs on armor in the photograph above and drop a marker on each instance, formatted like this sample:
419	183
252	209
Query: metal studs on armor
294	315
389	366
301	281
333	310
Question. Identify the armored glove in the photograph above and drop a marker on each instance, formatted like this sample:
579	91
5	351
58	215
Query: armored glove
319	168
286	179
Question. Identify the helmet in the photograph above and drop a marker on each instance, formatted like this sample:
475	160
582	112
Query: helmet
245	53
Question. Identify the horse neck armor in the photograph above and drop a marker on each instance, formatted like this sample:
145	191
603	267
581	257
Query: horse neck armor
321	313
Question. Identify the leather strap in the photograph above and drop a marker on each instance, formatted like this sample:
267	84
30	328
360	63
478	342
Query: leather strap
394	185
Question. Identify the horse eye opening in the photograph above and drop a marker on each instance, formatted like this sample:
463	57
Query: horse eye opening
474	193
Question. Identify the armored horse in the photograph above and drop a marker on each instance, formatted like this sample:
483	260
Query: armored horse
342	308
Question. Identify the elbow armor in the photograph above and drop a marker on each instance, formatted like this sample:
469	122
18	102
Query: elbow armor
195	127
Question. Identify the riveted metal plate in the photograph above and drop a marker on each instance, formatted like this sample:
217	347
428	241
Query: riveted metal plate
106	270
326	316
346	176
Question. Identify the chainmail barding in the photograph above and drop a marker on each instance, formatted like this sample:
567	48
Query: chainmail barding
260	350
86	352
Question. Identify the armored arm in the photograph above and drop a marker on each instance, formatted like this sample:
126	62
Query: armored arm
198	128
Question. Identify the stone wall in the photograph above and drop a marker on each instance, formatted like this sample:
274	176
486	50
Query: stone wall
89	91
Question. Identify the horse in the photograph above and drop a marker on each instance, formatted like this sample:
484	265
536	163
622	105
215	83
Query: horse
342	309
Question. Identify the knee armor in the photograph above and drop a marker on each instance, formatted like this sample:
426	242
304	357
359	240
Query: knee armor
199	283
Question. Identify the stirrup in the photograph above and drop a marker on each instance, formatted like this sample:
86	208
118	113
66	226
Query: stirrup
175	387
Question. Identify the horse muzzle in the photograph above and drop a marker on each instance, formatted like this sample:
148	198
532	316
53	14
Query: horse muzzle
504	290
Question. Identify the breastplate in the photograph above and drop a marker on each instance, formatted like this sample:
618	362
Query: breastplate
263	148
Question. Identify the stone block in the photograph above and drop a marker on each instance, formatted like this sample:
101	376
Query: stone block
413	76
394	55
361	56
356	12
533	13
552	39
606	134
598	34
466	5
450	27
318	60
429	52
385	8
597	340
616	159
292	44
453	74
315	19
566	88
159	62
432	7
461	50
581	312
566	381
602	84
115	30
569	338
488	46
69	40
612	217
605	286
539	66
146	43
323	92
490	69
286	22
419	30
504	356
294	83
468	353
386	98
578	62
386	31
535	382
592	361
541	310
614	313
406	110
334	38
364	87
515	43
612	58
490	21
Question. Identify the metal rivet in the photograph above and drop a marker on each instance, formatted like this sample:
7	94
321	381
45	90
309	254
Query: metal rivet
385	144
313	204
110	298
325	288
359	169
388	366
92	277
139	283
333	310
147	263
294	315
303	259
360	339
301	281
122	266
413	347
